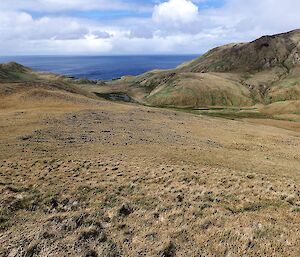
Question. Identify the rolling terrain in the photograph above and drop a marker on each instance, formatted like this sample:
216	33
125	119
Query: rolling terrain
85	176
262	74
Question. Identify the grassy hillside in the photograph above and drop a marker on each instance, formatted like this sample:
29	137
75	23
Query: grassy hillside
82	176
23	88
196	89
267	52
15	72
85	177
265	71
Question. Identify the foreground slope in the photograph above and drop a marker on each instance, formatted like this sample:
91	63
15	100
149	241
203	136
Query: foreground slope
86	177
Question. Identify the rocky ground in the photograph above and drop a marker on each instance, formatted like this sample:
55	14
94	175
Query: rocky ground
97	178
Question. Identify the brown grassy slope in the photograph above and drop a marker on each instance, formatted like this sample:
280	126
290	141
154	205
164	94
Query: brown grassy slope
22	87
33	95
95	178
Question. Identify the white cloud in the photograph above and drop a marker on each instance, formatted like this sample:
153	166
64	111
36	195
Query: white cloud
21	33
21	25
175	26
176	16
175	11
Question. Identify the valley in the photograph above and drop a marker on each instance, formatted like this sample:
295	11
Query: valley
188	162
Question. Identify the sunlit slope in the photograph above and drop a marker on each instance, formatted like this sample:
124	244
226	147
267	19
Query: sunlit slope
264	71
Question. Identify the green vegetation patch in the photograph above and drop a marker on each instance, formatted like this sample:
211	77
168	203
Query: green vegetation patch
237	115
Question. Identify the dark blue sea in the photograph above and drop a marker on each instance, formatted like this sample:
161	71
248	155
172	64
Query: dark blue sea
99	67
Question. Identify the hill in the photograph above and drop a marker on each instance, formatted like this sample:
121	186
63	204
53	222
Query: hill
267	52
264	71
82	176
14	72
88	177
24	88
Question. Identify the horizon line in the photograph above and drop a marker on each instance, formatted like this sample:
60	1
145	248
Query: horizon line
96	55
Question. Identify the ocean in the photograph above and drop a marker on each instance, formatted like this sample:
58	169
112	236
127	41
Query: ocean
99	67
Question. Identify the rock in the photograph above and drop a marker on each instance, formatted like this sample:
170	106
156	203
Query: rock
179	198
250	244
53	203
24	138
125	210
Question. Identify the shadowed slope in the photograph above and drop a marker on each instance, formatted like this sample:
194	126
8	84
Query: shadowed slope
267	52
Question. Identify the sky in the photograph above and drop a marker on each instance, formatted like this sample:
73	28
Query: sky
138	27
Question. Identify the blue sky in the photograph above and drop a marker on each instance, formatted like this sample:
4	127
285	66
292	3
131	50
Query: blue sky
145	10
111	27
